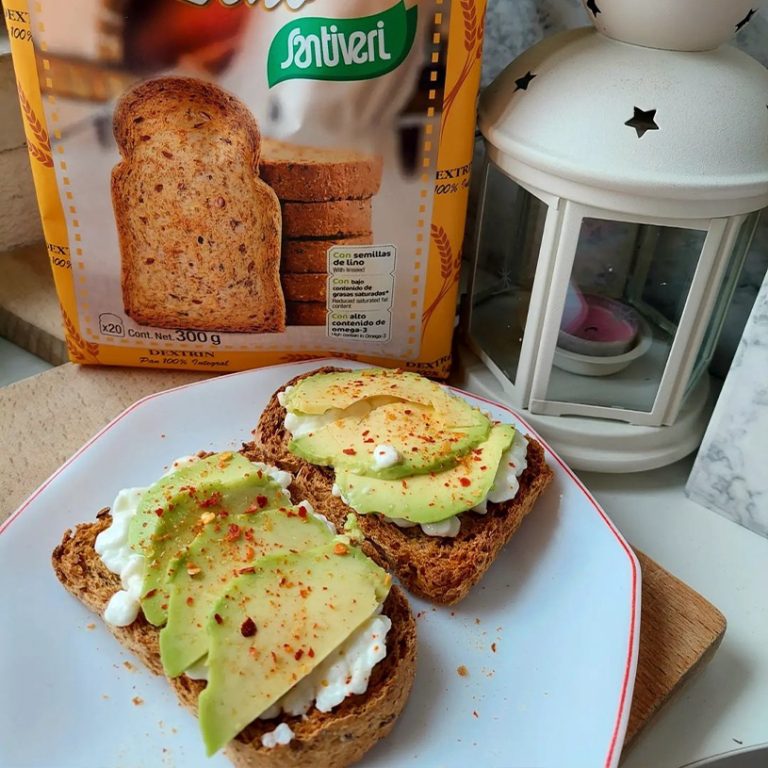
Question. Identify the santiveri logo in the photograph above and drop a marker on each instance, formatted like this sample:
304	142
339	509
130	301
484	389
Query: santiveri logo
316	48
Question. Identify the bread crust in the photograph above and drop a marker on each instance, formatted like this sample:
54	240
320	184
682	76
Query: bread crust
442	570
334	739
199	231
311	256
314	174
337	218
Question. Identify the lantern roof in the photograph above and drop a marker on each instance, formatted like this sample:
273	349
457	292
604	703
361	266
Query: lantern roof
582	113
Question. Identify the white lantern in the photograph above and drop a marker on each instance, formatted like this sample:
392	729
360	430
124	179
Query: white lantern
620	194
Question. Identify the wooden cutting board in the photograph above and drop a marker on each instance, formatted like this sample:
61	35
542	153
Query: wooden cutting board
679	632
679	629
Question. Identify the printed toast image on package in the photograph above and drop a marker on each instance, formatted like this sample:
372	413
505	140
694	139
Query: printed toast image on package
199	230
227	185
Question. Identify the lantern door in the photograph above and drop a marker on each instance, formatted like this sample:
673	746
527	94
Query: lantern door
625	314
508	290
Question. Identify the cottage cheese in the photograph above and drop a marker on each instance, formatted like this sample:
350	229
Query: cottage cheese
385	456
281	736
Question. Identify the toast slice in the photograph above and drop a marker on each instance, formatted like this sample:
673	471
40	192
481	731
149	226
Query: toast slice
300	256
199	231
337	218
307	313
314	174
442	570
306	287
334	739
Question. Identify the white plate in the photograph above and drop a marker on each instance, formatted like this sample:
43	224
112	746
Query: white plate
549	637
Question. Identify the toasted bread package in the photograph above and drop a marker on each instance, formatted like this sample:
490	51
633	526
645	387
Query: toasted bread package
232	183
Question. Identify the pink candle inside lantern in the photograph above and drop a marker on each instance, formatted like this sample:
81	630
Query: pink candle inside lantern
596	325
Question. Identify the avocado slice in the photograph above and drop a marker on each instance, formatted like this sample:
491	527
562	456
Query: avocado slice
220	552
271	628
172	510
434	497
341	389
429	428
424	438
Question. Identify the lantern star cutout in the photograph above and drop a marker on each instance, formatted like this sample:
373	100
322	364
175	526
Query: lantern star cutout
643	121
592	6
523	82
743	23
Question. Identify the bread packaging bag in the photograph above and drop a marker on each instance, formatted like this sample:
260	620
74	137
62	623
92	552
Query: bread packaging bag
225	184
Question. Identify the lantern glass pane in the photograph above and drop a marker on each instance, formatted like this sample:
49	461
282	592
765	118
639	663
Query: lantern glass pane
628	287
724	296
508	243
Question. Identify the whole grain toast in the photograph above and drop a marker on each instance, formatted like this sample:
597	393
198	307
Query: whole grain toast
337	218
308	288
334	739
442	570
199	231
314	174
306	313
301	256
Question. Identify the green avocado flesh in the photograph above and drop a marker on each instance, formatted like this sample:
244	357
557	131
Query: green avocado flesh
271	628
218	555
172	511
341	389
433	497
429	428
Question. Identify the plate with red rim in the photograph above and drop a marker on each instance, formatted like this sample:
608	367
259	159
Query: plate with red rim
534	668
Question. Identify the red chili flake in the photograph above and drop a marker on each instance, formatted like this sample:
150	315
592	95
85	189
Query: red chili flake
159	511
249	569
366	433
249	553
465	481
151	593
262	501
311	653
407	411
248	628
212	501
248	533
190	600
484	467
298	654
233	533
302	511
369	440
218	618
340	548
350	451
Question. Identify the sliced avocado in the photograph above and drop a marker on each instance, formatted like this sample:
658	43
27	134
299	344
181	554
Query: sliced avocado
273	627
173	509
424	438
428	427
219	554
434	497
341	389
